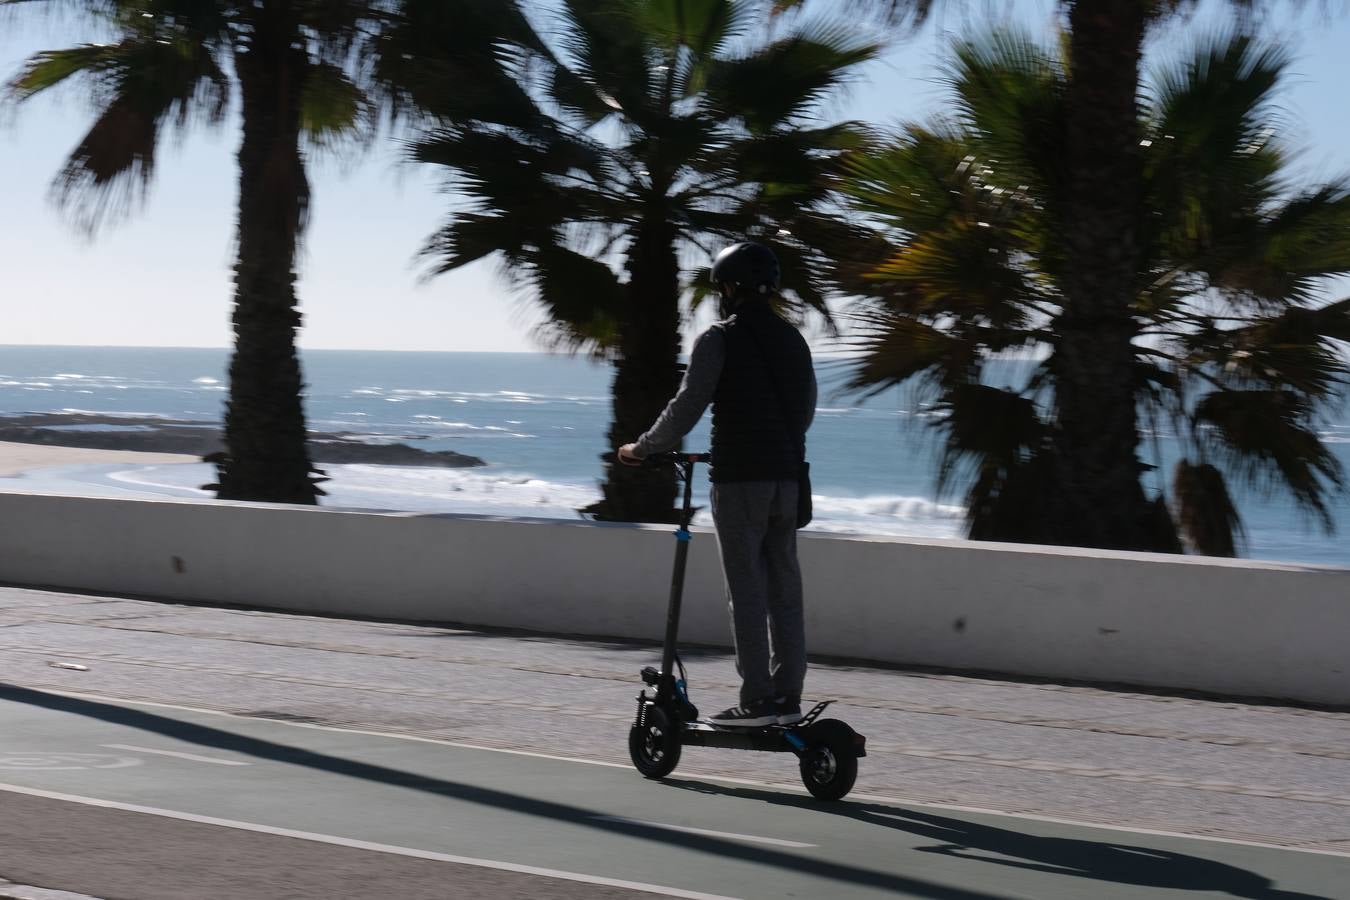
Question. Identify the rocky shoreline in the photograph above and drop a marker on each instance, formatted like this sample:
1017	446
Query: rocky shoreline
154	435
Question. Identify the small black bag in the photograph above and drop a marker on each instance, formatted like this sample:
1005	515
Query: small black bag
804	509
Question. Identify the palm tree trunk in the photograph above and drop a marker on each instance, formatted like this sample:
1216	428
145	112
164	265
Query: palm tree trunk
265	433
646	375
1103	502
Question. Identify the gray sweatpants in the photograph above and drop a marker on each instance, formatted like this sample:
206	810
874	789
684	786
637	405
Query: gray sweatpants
757	534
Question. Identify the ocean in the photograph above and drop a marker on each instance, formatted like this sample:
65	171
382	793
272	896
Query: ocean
539	420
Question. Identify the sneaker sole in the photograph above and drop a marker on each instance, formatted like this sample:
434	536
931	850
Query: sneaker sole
790	719
757	722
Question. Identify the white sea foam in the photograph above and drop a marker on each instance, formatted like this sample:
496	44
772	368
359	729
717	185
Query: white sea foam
69	411
487	429
205	380
76	376
119	429
884	507
478	492
523	397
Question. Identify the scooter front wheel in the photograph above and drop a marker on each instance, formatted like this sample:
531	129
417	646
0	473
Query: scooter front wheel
654	743
829	766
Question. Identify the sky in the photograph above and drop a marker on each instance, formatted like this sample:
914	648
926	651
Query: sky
161	277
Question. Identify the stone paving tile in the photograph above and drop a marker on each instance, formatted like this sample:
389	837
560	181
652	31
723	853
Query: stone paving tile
1171	763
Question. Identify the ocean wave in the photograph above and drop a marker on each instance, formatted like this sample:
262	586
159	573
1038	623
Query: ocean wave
425	424
492	429
118	429
76	376
69	411
473	491
884	507
523	397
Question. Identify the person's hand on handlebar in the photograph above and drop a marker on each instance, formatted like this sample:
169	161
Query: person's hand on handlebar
628	455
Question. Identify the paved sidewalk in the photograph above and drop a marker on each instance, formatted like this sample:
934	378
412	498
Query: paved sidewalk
1253	773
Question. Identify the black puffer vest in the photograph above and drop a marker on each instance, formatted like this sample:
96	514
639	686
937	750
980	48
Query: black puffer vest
767	365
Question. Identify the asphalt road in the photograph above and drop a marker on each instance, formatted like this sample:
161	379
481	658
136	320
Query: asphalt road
125	800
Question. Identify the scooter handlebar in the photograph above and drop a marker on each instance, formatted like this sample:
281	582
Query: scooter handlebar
675	456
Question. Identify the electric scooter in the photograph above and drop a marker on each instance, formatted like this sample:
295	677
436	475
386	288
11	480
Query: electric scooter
827	750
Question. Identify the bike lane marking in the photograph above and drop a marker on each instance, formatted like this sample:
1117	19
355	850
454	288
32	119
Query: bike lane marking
354	844
176	754
748	838
49	761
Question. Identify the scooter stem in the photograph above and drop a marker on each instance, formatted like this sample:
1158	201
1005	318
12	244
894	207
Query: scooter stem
666	689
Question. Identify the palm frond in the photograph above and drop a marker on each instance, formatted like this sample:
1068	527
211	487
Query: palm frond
900	13
454	62
142	86
582	296
774	86
703	27
334	110
912	184
1213	162
1283	255
1205	511
993	439
1291	351
606	47
894	348
50	68
1265	437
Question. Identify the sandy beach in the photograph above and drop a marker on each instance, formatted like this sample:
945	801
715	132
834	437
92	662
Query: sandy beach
15	459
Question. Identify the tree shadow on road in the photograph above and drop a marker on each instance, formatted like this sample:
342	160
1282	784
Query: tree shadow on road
221	739
1105	860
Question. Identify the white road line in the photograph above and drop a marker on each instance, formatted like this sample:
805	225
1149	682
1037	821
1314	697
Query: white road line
337	841
27	892
721	779
177	755
748	838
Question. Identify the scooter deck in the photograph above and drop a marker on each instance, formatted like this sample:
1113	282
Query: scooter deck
765	738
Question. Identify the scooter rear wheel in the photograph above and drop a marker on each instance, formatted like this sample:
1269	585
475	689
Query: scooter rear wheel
830	765
654	743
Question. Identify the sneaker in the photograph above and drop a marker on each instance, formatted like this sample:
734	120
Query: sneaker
751	715
789	710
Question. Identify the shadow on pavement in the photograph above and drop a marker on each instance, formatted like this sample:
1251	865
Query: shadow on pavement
220	739
1100	860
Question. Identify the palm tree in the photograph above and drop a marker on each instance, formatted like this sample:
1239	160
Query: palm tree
1232	344
640	136
1095	456
174	62
308	73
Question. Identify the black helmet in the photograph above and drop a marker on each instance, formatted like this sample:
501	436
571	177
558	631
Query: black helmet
747	265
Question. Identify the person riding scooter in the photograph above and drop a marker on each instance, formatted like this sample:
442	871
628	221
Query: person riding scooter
756	371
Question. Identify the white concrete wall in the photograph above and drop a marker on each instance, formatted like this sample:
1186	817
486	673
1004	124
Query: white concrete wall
1241	628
